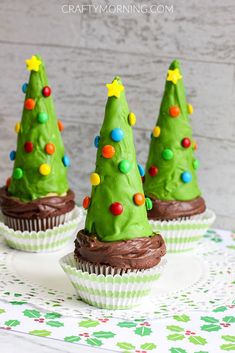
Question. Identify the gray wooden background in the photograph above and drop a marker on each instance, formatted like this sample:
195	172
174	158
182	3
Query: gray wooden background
84	51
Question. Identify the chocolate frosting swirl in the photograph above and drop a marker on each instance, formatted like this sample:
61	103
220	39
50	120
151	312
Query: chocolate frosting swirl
167	210
138	253
44	207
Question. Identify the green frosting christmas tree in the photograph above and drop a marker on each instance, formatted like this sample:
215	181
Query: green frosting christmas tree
117	207
171	166
40	167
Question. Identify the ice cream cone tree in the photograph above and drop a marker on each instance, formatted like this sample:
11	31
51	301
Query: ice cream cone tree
171	165
40	164
116	209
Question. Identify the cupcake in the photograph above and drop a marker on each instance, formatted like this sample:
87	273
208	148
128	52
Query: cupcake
37	197
179	211
117	255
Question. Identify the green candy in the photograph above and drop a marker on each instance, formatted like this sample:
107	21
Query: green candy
121	181
27	183
167	154
148	204
42	118
124	166
166	151
17	173
196	164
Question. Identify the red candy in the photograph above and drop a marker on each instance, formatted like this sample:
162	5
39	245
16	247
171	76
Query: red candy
153	170
8	182
174	111
186	143
46	91
86	202
116	208
28	146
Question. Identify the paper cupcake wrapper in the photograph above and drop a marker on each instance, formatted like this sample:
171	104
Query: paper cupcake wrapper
184	234
43	241
37	225
112	291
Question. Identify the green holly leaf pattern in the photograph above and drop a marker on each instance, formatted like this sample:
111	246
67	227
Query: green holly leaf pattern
228	347
12	323
32	313
232	247
229	319
202	352
210	328
128	324
103	334
2	311
229	338
220	309
52	315
15	302
183	318
94	342
143	331
148	346
175	328
175	337
177	350
72	339
210	319
197	340
125	345
89	323
41	333
55	323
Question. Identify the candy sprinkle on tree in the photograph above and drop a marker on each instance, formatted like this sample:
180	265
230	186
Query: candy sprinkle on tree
117	206
171	166
40	165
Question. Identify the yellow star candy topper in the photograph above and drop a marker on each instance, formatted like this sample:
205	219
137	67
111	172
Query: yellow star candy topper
114	89
33	63
174	75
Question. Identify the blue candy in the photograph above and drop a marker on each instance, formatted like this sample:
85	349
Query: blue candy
117	134
66	161
141	170
24	87
12	155
97	141
186	177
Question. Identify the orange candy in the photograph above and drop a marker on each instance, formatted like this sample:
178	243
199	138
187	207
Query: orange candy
29	104
139	199
86	202
60	125
108	151
174	111
195	145
50	148
8	182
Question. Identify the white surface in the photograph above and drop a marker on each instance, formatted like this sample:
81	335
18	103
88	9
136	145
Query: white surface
181	285
12	342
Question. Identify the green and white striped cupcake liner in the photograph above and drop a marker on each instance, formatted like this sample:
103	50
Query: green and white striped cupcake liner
112	291
43	241
184	234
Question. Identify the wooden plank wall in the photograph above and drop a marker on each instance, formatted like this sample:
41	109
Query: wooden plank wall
84	51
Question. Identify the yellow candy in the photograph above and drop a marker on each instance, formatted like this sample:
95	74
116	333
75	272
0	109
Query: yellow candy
132	119
95	179
190	108
17	127
44	169
156	131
